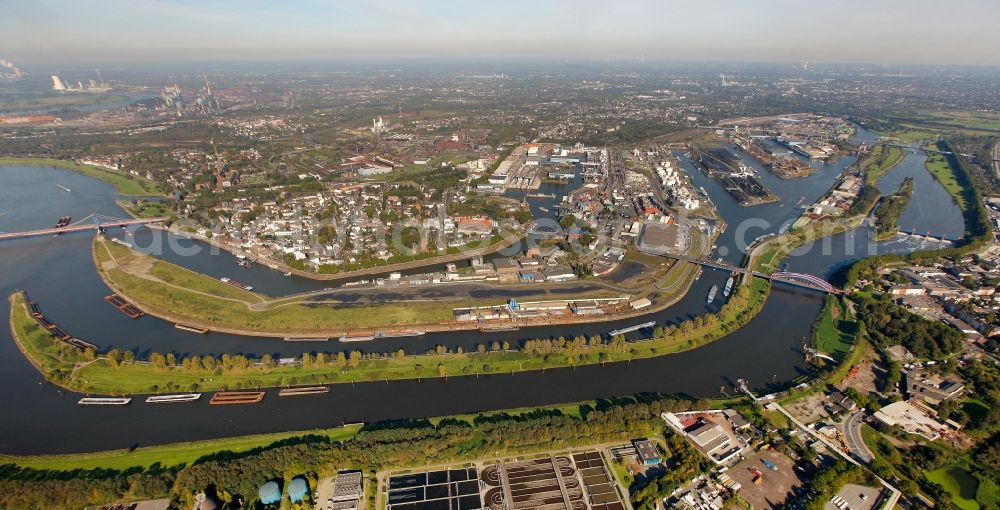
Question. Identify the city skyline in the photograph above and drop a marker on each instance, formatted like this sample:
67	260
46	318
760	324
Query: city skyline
888	31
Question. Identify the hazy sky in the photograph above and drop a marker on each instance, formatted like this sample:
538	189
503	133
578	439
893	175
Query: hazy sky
881	31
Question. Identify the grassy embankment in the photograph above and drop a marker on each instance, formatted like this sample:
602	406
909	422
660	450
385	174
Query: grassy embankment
939	167
124	183
885	160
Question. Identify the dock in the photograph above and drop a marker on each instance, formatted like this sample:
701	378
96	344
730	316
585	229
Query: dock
123	306
193	329
306	339
303	390
236	397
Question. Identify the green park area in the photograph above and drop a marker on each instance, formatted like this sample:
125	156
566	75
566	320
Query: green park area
125	184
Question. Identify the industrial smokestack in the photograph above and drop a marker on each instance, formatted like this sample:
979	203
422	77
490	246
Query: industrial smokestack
57	84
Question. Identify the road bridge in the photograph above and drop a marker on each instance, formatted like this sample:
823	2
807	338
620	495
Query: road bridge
807	281
93	221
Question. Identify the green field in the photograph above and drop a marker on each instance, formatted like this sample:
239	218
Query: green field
146	209
168	455
885	160
913	134
945	174
983	121
834	330
125	184
959	483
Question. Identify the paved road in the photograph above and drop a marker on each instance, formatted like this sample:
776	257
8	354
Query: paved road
852	431
894	492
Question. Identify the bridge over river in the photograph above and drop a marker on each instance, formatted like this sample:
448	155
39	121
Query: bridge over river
94	221
807	281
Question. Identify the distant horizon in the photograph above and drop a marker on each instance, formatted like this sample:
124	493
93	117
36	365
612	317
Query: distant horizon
842	32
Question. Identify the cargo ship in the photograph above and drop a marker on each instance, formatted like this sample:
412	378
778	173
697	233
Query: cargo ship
237	284
193	329
173	399
401	333
630	329
303	390
729	286
357	338
499	327
236	397
104	401
711	293
306	339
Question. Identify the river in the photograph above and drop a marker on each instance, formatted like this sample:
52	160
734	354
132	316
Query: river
59	274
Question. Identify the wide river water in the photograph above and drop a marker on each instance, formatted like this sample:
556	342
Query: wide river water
59	274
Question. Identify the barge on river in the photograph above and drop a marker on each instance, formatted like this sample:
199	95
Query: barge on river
630	329
303	390
104	401
238	284
173	399
123	306
193	329
236	397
